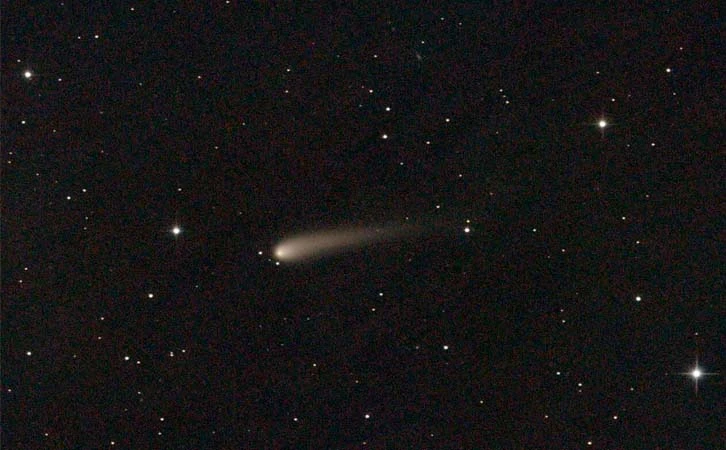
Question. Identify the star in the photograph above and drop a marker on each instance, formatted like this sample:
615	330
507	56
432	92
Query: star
602	123
697	373
28	74
176	231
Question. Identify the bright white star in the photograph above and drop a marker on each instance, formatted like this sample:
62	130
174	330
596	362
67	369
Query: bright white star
697	374
176	231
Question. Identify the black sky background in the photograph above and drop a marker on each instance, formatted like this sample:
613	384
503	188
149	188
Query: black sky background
243	123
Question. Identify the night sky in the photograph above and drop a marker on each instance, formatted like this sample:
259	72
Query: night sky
534	194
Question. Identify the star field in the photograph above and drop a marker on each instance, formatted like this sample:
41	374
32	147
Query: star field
561	163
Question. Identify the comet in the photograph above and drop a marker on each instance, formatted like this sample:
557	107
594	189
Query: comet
314	245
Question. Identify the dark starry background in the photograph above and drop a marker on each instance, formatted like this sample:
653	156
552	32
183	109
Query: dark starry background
569	316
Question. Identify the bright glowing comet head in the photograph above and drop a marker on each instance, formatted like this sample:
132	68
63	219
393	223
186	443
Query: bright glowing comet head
281	253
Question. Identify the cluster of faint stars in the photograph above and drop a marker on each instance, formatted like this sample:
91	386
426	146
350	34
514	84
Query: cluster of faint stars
697	373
